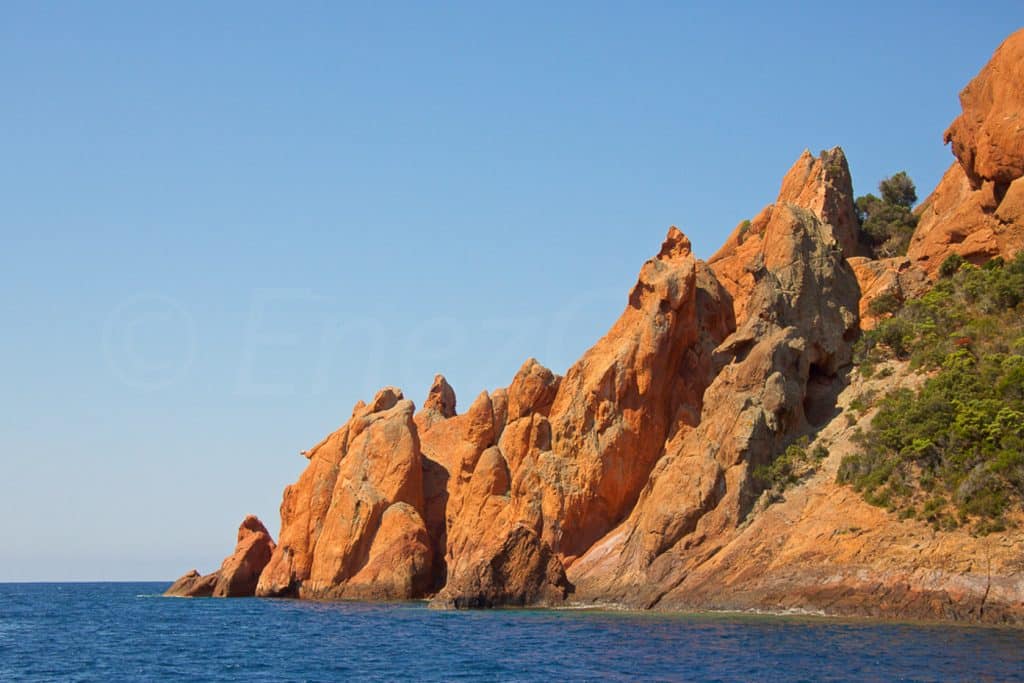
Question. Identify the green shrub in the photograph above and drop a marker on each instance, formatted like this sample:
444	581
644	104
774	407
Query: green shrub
789	467
884	304
898	190
950	265
887	223
953	451
744	229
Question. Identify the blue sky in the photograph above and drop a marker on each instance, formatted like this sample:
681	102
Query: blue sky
223	226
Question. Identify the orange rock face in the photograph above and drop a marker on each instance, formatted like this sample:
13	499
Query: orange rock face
490	506
988	137
630	478
240	571
819	185
440	404
575	452
897	278
977	210
779	373
823	548
334	540
958	220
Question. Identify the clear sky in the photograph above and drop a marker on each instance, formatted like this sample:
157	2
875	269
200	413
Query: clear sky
223	226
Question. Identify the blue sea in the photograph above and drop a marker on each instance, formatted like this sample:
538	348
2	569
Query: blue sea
126	631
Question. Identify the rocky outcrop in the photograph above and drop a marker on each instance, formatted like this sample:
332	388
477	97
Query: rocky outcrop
240	571
977	210
823	549
517	571
400	560
458	500
440	404
631	479
570	455
193	585
889	281
778	375
988	137
819	185
361	494
976	224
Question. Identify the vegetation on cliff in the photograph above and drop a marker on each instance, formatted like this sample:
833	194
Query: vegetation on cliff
790	467
951	453
886	222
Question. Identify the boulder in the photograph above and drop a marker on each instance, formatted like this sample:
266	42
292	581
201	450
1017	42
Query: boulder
440	404
400	562
238	573
193	585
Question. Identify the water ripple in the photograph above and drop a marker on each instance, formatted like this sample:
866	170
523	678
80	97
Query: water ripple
87	632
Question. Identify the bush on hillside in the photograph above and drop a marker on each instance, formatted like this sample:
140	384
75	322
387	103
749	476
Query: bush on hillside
951	453
789	467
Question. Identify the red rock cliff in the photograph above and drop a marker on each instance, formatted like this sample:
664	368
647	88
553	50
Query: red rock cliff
629	479
977	210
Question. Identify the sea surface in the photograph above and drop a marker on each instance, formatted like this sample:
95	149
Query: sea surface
126	631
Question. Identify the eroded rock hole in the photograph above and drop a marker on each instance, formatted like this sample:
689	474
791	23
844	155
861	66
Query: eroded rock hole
999	191
820	397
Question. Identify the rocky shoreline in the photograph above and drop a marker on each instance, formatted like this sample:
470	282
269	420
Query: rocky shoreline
630	479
